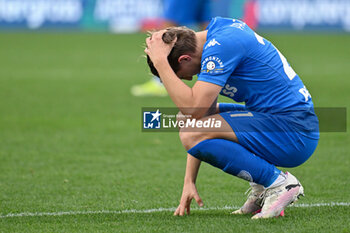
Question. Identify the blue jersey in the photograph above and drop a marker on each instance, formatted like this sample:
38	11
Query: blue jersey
250	69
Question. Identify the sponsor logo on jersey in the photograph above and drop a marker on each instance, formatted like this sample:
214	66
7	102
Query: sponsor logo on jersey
212	43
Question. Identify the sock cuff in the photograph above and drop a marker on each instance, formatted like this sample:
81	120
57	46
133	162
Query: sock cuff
274	178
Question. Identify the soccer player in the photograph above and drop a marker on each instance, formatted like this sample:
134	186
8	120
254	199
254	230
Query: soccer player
277	125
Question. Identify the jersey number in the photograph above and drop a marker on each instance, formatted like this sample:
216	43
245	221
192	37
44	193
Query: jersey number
287	68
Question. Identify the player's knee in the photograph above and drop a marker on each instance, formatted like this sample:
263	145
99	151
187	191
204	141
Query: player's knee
190	139
186	138
180	117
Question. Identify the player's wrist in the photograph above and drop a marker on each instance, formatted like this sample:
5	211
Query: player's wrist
161	64
189	181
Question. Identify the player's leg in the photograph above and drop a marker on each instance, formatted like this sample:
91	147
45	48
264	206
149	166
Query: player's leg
273	138
276	197
261	134
231	157
220	148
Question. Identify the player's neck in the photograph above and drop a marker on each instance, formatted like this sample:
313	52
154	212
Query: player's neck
201	39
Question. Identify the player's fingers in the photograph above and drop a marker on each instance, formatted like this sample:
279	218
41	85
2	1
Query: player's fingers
177	211
158	35
182	210
188	206
198	200
174	41
148	39
188	209
155	35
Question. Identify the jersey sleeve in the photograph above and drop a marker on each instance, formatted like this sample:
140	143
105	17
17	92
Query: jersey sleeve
219	60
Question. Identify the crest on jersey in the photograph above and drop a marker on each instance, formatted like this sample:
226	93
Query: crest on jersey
212	65
212	43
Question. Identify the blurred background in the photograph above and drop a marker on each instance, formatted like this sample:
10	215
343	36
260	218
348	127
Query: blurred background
125	16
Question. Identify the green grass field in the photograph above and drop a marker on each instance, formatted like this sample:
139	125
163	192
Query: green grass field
71	140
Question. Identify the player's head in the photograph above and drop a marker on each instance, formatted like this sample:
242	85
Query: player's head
180	56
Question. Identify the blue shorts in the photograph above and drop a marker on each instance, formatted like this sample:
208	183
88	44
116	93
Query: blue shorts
272	137
187	13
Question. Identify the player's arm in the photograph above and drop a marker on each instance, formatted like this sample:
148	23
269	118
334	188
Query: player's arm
194	101
189	190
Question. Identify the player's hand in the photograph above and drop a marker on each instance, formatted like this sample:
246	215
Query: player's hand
189	192
156	49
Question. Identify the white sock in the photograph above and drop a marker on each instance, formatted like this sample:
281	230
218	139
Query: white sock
252	184
280	180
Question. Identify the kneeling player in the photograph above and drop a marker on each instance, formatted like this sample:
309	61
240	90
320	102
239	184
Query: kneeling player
277	125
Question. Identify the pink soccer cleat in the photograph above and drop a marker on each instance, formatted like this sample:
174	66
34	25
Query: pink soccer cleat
276	199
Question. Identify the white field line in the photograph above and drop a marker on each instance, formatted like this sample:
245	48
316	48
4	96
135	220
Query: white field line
146	211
